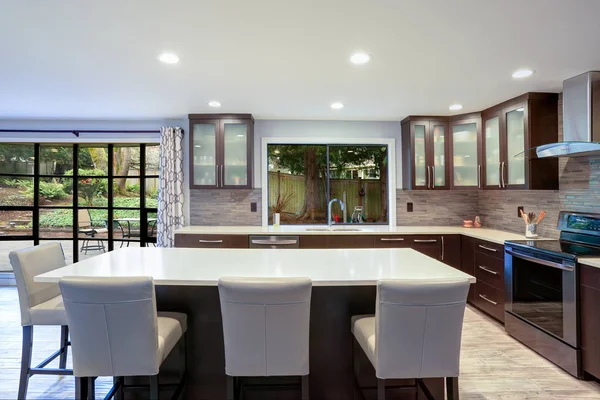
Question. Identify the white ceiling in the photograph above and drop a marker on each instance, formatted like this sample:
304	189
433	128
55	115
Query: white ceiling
285	59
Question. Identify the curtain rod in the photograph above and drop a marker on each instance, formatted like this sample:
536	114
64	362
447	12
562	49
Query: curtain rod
75	132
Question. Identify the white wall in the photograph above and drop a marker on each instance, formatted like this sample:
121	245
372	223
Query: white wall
334	131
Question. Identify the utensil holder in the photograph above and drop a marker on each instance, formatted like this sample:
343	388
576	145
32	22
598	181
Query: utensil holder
531	231
276	220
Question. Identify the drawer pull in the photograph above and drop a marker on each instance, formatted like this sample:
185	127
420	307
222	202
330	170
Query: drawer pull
488	270
425	240
274	242
392	239
488	248
210	241
488	300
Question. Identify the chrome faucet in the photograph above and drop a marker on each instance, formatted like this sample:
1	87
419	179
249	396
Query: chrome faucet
342	206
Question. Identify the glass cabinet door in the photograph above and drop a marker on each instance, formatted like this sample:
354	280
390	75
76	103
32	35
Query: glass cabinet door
438	140
515	144
465	155
420	156
235	154
204	154
492	152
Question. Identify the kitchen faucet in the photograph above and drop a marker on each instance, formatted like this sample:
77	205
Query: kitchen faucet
342	206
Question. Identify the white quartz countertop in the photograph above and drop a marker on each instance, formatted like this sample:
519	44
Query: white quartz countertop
590	261
204	267
491	235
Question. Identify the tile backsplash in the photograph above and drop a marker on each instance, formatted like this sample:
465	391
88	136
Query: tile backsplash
432	207
225	207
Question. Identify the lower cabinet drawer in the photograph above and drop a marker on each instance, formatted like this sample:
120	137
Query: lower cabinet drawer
490	300
212	241
490	270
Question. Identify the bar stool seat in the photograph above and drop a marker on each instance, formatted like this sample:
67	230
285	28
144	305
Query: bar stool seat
363	329
170	328
50	312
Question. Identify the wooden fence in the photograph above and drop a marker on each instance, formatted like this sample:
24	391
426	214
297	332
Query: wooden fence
285	183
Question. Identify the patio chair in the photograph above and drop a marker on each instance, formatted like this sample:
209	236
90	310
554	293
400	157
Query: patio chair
85	225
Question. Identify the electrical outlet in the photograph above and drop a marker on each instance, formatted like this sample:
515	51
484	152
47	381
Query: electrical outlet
409	207
519	209
252	207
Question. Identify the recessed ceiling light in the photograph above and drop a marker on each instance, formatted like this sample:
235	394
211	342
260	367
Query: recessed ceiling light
360	58
337	105
169	58
214	104
522	73
455	107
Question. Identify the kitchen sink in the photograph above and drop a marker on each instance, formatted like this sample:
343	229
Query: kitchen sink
317	230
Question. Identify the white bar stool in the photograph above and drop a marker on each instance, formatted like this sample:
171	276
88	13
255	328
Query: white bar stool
41	304
116	331
266	329
415	332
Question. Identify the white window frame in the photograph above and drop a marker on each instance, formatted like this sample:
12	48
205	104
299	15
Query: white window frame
391	146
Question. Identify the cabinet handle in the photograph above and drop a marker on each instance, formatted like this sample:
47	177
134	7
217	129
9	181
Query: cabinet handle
275	242
479	176
217	174
433	176
427	177
425	240
500	177
488	300
442	248
209	241
488	270
222	178
503	183
392	239
488	248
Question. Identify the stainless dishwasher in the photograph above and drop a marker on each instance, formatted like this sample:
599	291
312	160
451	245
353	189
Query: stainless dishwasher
275	242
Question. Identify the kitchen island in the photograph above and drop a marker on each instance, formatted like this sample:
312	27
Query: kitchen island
344	285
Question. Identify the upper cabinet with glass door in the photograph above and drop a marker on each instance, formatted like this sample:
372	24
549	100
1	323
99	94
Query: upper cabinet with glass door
221	151
465	148
425	153
511	129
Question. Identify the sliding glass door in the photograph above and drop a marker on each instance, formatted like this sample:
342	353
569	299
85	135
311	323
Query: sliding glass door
91	198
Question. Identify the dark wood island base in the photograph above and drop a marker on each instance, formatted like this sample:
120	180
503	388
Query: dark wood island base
331	347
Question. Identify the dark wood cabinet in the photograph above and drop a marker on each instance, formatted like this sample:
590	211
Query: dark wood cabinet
221	149
203	241
590	319
349	241
430	245
451	251
487	266
514	127
480	150
425	153
468	261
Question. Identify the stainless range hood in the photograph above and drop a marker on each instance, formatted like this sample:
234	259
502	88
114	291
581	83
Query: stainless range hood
581	119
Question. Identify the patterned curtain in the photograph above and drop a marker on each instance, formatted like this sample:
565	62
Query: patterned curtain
170	191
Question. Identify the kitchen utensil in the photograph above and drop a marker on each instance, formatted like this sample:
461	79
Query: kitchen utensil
540	217
524	217
530	218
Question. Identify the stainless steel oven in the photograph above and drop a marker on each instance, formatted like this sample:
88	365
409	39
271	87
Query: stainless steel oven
541	290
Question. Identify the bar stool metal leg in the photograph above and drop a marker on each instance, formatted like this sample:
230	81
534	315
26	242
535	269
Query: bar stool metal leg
81	386
154	387
230	388
25	361
91	388
452	388
64	346
305	388
380	389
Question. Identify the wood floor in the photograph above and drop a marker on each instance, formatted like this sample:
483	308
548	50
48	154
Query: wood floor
493	365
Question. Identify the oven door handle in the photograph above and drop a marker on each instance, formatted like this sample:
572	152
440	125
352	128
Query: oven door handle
540	261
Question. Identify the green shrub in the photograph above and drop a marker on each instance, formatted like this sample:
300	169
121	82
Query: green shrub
133	188
152	193
49	190
57	218
14	183
103	184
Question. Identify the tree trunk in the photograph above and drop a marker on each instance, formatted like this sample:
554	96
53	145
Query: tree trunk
383	179
123	163
99	157
311	184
